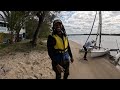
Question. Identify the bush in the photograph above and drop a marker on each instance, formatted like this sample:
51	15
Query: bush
2	36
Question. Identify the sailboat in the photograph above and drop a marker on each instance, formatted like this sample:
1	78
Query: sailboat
98	50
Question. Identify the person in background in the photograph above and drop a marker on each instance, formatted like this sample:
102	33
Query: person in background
86	46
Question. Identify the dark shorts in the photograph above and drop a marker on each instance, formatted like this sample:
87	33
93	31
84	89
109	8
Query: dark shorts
64	64
63	60
85	48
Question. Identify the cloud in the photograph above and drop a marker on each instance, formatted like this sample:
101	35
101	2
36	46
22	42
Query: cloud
81	21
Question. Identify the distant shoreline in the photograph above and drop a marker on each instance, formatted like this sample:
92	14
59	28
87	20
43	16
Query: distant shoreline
94	34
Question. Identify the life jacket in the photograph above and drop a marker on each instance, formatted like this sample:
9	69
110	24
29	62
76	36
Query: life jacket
61	45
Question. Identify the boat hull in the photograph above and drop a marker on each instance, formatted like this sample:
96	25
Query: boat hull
99	52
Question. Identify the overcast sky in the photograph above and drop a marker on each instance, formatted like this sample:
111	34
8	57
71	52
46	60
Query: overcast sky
79	22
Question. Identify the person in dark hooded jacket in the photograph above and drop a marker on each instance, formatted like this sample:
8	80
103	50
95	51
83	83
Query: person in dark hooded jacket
59	50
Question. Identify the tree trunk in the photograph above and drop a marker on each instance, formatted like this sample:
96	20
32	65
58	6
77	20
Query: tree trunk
35	36
17	39
11	39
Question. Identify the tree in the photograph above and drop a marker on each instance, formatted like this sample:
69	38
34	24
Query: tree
2	17
45	30
16	20
42	16
20	23
30	27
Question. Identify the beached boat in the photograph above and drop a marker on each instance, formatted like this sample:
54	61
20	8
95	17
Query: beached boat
98	50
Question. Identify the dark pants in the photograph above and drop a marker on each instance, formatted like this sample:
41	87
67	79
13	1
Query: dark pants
85	52
65	65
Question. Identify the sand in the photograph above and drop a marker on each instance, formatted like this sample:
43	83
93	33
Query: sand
32	65
37	65
94	68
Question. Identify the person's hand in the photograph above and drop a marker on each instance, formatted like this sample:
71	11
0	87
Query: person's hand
60	68
72	60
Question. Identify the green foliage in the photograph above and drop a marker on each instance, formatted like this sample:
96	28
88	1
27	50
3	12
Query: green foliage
46	25
4	36
18	19
45	30
15	20
30	26
3	46
23	46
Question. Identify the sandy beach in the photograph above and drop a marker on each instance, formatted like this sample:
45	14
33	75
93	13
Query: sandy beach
94	68
32	65
37	65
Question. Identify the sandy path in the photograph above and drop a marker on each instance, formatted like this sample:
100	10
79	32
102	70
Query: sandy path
97	68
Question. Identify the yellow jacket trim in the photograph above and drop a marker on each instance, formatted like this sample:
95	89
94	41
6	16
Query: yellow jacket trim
59	42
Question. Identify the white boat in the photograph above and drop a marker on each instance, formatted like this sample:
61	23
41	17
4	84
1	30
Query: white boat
99	51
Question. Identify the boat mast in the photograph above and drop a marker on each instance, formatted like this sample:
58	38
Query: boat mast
100	27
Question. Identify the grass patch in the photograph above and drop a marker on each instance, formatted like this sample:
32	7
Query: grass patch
23	46
3	46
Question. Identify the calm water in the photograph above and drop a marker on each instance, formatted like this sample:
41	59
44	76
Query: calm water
107	41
